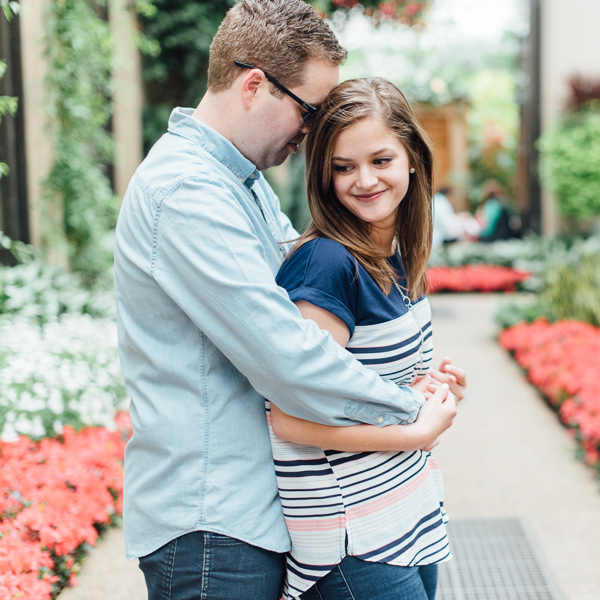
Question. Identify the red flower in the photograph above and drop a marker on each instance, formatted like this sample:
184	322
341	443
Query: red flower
474	278
52	495
562	359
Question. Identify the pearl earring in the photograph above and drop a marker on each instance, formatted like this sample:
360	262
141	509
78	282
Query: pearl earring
412	170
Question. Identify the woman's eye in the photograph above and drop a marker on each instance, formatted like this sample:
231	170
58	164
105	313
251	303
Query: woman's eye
381	162
341	168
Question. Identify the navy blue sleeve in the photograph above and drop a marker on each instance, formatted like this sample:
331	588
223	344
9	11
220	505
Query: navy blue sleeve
323	273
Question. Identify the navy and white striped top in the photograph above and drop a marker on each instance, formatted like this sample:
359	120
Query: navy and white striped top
389	505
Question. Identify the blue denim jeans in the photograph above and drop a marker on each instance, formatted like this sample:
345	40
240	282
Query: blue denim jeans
355	579
209	566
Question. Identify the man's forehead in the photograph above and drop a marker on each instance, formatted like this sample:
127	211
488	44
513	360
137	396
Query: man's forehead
320	77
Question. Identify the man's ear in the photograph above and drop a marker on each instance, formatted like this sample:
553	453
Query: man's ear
252	83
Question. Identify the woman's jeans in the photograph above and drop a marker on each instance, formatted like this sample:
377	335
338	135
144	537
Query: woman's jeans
209	566
355	579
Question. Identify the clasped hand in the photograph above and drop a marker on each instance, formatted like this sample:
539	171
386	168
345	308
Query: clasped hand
444	389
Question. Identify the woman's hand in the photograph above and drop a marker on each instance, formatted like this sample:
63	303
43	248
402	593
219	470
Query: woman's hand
436	415
453	376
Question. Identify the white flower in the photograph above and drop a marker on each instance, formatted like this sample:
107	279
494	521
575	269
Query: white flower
23	425
37	427
9	433
55	402
71	361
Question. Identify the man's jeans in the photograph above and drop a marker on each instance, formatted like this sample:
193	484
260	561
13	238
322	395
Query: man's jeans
209	566
355	579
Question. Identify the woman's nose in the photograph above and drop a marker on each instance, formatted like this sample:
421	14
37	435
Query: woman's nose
366	179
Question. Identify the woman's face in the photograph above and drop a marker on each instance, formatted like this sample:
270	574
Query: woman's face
370	172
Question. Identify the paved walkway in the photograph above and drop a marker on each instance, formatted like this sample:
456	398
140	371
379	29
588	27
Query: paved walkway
505	456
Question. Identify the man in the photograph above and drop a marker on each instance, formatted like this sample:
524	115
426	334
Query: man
205	334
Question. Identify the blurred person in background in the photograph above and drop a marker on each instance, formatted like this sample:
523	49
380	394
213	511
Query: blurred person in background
448	226
495	216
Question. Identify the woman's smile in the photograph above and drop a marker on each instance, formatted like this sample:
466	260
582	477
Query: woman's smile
369	197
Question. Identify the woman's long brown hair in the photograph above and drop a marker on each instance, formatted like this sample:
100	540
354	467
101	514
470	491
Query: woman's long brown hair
348	103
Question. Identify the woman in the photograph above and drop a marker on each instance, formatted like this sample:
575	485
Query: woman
364	505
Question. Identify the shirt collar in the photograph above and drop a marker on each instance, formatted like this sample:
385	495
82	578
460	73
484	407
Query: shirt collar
182	123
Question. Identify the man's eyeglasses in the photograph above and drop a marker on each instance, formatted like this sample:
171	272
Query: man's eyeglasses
310	110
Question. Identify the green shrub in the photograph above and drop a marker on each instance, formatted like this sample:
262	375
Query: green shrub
572	290
569	290
42	292
570	164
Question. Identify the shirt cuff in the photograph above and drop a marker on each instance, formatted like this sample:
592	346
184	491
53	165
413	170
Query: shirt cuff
403	415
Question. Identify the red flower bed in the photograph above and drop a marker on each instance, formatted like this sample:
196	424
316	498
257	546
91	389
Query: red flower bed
563	360
53	495
474	278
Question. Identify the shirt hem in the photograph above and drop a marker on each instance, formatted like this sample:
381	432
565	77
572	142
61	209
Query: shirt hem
257	544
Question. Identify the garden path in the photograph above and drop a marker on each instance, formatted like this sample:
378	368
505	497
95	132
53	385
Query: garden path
506	456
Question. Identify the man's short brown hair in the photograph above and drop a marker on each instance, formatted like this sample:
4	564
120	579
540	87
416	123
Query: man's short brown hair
278	36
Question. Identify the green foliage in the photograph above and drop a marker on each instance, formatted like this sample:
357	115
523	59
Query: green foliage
42	292
79	87
8	104
9	8
176	76
571	290
570	163
568	282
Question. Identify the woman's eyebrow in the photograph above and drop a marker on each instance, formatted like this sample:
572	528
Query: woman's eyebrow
385	149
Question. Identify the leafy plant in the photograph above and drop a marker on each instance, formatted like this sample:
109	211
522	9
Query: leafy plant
176	76
568	290
570	163
42	292
8	104
79	85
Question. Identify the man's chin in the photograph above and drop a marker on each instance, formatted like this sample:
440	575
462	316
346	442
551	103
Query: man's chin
279	160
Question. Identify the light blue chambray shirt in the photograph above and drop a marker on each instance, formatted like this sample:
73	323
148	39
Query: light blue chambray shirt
205	334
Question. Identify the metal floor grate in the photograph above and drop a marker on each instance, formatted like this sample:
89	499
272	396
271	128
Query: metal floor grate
494	559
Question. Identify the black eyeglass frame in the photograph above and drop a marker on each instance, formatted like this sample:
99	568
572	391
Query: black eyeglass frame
310	110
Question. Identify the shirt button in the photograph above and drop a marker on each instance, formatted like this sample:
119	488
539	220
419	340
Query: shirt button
380	420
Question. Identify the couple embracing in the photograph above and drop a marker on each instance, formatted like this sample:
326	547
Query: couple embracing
282	397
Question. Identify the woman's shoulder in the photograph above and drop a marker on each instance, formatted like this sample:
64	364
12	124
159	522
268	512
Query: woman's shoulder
322	246
322	254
